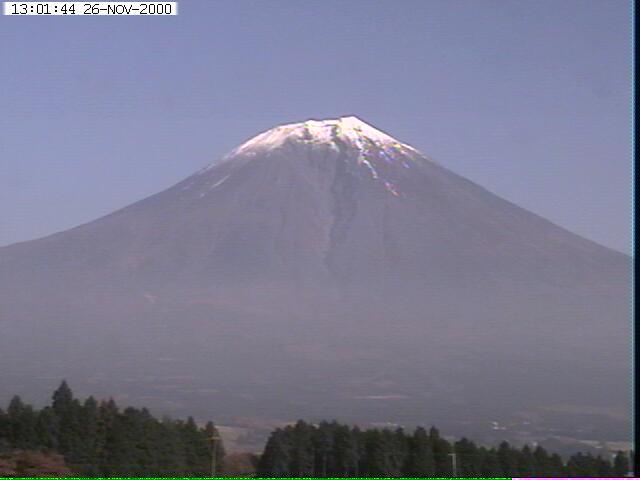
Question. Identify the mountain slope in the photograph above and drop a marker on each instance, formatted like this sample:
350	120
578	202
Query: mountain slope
332	262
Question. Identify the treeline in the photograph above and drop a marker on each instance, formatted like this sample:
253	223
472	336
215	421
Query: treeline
335	450
100	439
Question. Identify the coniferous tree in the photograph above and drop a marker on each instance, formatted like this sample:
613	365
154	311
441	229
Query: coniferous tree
345	453
420	461
169	457
191	439
441	451
508	458
466	458
22	422
107	416
48	429
490	464
276	458
4	431
620	465
302	450
208	433
119	451
605	469
360	447
543	467
87	455
67	412
375	464
62	399
323	445
139	440
582	465
526	462
557	465
398	451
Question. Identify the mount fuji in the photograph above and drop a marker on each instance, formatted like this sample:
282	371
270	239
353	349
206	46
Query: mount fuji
324	269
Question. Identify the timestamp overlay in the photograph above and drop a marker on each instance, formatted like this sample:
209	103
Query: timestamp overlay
90	8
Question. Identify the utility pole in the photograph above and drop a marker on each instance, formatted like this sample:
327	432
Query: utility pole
214	438
454	467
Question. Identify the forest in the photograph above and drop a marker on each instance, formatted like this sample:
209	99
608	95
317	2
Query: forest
335	450
97	438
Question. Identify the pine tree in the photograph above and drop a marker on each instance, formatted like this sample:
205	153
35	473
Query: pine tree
526	462
191	439
88	449
373	457
557	465
169	456
323	445
22	421
508	459
377	463
345	452
620	465
360	448
490	464
4	431
582	465
62	399
604	468
420	461
543	465
467	458
67	411
112	429
397	451
208	433
48	429
441	451
276	458
302	450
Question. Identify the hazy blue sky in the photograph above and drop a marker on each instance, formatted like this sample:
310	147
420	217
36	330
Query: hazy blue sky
529	99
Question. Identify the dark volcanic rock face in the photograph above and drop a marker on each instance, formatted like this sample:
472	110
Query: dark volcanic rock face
324	269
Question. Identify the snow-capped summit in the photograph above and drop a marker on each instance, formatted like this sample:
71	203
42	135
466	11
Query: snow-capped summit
347	131
365	151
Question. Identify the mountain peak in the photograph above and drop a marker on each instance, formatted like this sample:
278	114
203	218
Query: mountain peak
349	131
325	249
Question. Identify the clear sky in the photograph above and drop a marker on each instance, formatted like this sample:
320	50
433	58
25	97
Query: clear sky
530	99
